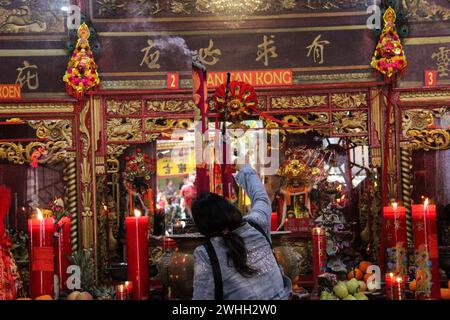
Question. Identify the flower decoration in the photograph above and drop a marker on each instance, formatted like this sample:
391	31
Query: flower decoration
81	74
241	99
58	209
138	165
389	57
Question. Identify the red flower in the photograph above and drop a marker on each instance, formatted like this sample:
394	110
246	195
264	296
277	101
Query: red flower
138	150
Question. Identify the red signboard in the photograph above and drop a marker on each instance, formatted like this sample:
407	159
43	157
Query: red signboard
10	91
299	225
430	78
173	80
257	78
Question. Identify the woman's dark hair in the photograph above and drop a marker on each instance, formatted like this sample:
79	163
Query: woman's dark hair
215	216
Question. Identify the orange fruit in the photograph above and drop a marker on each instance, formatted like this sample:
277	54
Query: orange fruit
44	297
23	299
363	265
448	284
355	273
445	293
412	285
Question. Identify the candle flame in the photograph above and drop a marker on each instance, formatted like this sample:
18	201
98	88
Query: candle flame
137	213
105	207
40	216
395	205
425	204
399	279
391	275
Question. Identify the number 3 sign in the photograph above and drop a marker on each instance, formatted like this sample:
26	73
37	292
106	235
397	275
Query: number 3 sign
173	80
430	78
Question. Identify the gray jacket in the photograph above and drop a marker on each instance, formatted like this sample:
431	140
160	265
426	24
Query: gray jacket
267	283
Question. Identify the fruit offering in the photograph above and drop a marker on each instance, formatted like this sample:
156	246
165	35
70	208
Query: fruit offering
349	290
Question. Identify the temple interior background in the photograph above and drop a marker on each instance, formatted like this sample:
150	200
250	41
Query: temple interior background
350	141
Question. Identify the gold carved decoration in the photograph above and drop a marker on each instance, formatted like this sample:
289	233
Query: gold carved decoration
123	107
32	107
29	16
70	177
149	137
360	141
308	119
54	130
134	84
414	96
437	139
420	119
339	77
406	184
349	122
160	124
125	129
170	106
425	10
86	194
349	100
54	151
297	102
114	151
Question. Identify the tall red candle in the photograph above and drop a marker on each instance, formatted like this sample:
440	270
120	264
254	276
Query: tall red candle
41	231
62	251
426	251
395	239
137	254
319	254
274	222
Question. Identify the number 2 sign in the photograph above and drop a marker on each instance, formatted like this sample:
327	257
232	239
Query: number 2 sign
430	78
173	80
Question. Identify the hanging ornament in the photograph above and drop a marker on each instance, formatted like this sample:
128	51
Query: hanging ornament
138	166
241	98
81	74
389	57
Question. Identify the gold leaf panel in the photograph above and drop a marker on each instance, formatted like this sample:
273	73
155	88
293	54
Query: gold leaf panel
124	129
349	100
349	122
170	106
123	107
298	102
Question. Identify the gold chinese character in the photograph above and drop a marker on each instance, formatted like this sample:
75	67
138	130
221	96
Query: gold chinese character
150	59
208	55
266	51
28	75
443	61
316	49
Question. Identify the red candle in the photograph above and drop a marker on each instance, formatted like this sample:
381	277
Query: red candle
41	231
319	243
395	239
389	280
150	201
274	222
137	254
426	251
62	251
